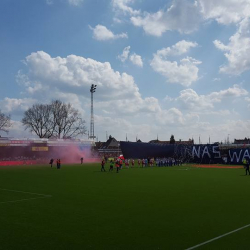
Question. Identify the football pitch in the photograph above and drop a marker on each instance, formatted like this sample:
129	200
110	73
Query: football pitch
80	207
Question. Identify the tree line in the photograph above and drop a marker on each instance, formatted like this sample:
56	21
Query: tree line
53	120
5	122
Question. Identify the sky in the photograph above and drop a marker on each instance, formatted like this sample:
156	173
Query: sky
161	67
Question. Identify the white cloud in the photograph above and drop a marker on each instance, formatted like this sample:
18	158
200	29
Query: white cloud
131	106
248	101
17	130
225	11
49	2
70	78
117	20
221	112
183	73
101	33
216	79
172	116
122	5
75	2
124	56
236	128
71	2
182	16
237	51
74	74
132	130
136	60
179	48
235	91
13	105
190	100
185	16
219	132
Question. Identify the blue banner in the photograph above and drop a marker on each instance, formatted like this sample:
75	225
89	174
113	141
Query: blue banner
205	153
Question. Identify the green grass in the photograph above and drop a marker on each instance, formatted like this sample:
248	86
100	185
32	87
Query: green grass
139	208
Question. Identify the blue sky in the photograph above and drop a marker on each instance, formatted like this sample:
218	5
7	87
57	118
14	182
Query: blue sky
161	67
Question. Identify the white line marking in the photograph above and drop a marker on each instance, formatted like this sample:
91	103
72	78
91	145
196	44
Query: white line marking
216	238
17	191
25	199
42	196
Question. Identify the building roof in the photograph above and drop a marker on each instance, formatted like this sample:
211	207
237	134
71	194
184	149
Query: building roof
110	143
190	142
242	141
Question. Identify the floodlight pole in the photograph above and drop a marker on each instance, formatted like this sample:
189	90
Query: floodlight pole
92	130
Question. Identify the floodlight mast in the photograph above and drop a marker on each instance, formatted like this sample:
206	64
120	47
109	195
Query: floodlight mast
92	130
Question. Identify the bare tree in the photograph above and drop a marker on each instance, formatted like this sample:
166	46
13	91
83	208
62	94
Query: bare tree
57	119
5	122
38	120
67	120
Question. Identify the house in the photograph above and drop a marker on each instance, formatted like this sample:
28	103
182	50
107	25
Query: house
110	147
242	141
